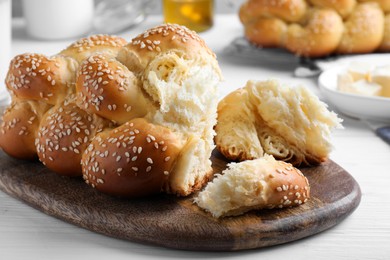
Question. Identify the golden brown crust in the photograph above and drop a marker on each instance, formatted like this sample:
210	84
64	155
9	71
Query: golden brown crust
288	10
319	36
132	160
19	128
64	133
363	32
266	32
385	44
85	47
107	88
161	39
37	77
384	4
288	186
343	7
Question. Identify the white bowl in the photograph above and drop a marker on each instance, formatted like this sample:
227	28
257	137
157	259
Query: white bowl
363	107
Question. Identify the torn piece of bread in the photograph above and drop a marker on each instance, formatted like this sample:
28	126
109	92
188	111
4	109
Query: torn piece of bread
291	124
254	184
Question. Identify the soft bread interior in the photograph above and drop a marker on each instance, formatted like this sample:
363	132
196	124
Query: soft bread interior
237	134
192	169
289	123
295	114
185	93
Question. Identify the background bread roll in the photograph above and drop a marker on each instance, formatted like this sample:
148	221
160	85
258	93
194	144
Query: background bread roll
317	28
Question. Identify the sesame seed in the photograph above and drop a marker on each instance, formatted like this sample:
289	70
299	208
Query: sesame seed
149	160
148	169
279	189
167	158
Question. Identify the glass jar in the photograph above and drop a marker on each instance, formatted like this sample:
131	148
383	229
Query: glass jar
197	15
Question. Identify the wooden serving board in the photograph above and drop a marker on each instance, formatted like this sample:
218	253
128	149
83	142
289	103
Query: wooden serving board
173	222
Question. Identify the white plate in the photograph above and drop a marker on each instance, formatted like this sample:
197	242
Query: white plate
363	107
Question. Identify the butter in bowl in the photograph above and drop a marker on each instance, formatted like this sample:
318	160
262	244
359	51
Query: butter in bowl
365	79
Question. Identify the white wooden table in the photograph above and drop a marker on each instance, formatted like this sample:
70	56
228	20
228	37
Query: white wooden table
26	233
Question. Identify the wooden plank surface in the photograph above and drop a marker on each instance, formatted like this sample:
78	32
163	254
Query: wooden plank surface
173	222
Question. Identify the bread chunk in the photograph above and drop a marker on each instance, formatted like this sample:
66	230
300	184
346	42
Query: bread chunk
268	117
254	184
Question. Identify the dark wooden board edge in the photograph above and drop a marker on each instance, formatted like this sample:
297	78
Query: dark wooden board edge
253	230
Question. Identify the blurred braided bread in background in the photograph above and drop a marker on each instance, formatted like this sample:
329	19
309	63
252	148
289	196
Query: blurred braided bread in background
317	28
133	118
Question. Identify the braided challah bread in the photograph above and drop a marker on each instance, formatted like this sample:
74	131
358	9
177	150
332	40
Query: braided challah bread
133	118
316	28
